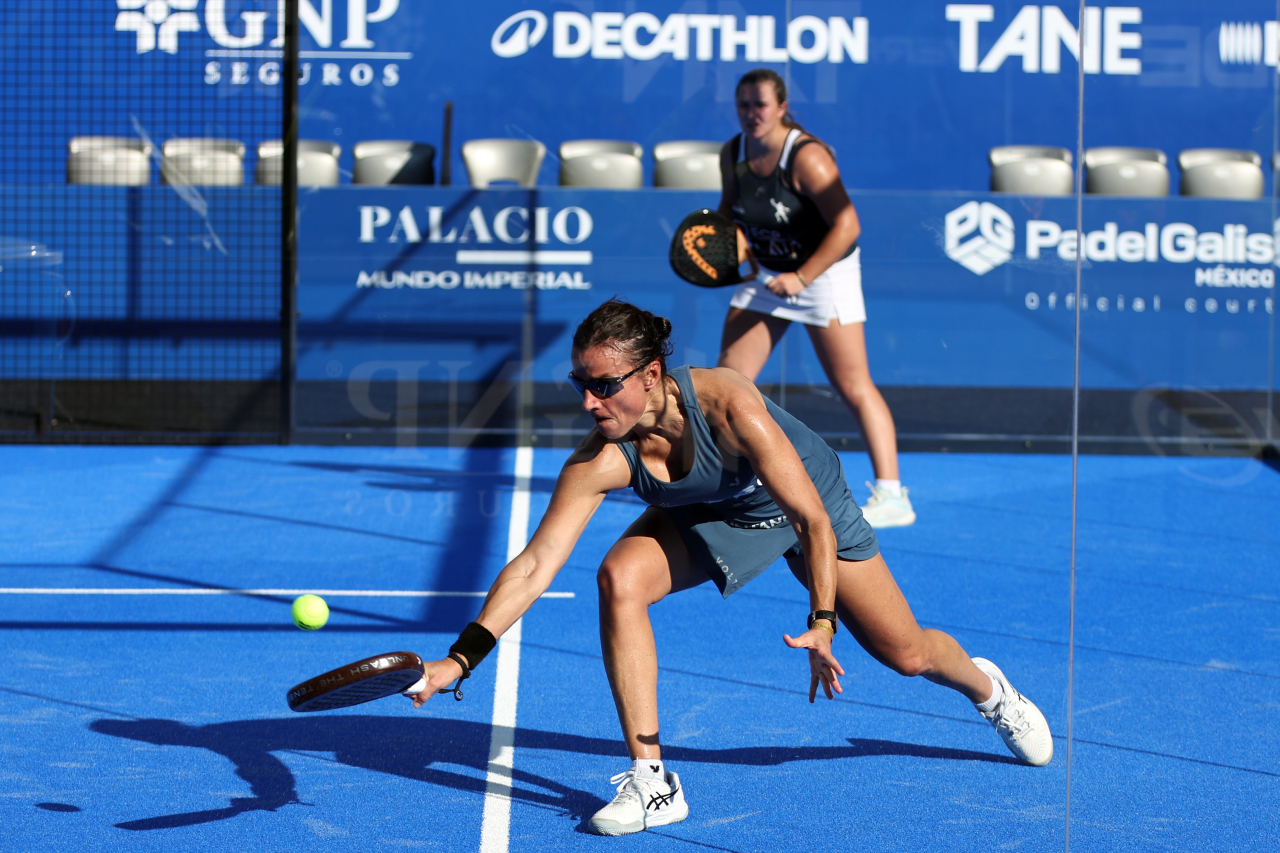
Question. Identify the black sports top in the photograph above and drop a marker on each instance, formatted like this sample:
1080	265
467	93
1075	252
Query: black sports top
784	227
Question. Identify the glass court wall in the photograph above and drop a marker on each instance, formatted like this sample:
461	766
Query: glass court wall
140	290
1176	539
1006	163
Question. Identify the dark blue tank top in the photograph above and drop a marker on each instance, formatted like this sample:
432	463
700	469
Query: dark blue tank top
727	484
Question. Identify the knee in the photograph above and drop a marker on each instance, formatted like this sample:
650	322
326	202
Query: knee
616	583
859	390
908	662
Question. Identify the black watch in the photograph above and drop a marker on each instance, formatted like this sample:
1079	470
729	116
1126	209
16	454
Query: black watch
823	614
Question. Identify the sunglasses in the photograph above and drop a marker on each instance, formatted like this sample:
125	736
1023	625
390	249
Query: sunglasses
603	387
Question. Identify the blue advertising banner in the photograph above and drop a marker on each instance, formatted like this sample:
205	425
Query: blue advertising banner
911	95
961	289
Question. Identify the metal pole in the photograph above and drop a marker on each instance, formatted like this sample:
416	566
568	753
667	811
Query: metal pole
1075	428
289	226
446	145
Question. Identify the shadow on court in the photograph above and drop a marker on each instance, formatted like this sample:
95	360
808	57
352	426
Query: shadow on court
408	748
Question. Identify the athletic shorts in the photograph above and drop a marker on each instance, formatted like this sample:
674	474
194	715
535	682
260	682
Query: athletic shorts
732	554
836	293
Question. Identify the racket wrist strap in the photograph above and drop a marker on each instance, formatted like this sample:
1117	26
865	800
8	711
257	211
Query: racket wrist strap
473	643
456	689
462	662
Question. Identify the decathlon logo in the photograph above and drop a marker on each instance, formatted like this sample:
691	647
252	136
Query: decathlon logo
990	247
513	38
159	22
643	36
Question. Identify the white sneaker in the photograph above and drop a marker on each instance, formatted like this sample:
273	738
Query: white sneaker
641	803
1019	722
885	509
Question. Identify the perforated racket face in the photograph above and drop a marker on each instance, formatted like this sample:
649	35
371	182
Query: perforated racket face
704	250
355	683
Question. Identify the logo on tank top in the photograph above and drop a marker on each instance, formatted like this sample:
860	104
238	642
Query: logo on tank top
780	211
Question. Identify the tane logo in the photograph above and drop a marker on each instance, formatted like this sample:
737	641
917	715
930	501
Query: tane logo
157	22
990	247
513	38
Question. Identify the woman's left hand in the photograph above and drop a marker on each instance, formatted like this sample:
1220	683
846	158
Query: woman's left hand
785	284
823	667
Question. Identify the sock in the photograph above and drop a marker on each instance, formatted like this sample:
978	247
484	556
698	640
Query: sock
893	487
649	768
997	693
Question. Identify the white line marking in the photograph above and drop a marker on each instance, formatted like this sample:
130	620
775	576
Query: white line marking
495	829
519	256
330	593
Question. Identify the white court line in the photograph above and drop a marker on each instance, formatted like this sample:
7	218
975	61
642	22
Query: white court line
329	593
495	828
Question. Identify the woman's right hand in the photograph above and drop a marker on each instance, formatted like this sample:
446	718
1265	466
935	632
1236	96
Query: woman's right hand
439	674
785	285
823	667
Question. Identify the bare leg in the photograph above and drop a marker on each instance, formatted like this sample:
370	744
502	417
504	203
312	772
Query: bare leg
874	610
842	350
748	339
649	562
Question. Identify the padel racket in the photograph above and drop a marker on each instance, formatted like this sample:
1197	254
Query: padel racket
362	681
704	250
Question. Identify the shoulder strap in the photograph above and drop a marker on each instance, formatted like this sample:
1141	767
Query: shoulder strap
630	454
802	143
741	144
790	163
684	382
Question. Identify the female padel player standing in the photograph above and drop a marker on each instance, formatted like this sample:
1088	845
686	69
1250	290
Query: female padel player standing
733	483
781	185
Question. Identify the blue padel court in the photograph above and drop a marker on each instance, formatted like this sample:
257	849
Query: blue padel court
147	647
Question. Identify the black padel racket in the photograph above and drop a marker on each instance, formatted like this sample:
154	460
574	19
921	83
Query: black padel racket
704	250
362	681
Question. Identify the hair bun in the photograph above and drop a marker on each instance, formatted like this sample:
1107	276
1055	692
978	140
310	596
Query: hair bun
639	333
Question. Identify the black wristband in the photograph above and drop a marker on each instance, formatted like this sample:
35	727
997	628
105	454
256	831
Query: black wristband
474	643
824	614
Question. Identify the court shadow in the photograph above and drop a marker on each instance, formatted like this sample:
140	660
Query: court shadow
416	749
420	749
1270	457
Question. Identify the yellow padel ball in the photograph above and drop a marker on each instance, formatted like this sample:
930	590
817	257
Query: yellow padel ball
310	612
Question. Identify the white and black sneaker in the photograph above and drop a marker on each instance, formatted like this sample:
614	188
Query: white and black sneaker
641	803
1019	722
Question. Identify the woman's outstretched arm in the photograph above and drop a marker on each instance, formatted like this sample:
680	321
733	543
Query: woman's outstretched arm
595	469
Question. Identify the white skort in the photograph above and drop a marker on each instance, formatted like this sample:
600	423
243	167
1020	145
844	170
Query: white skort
836	293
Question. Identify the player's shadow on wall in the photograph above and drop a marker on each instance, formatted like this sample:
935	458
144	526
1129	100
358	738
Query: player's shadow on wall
408	747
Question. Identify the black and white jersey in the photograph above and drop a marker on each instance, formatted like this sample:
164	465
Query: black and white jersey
784	227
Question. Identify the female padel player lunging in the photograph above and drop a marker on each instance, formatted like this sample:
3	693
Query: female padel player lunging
733	483
785	192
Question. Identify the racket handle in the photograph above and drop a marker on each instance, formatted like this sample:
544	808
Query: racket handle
416	688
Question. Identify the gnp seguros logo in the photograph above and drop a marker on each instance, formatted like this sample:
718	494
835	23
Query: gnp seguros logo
990	247
156	24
